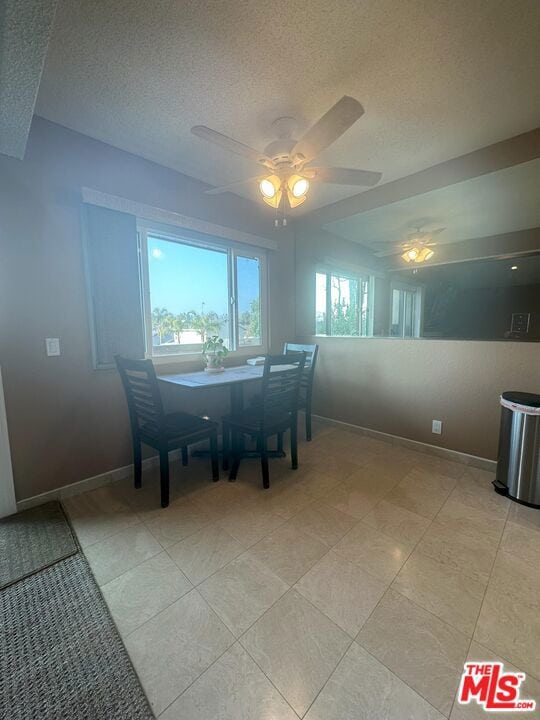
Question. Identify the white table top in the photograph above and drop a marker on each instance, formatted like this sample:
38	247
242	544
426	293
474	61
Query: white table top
241	374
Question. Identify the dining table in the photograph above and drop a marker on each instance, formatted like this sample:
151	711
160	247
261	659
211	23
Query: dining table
235	378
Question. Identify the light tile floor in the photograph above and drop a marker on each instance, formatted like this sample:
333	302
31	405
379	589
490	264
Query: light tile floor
353	588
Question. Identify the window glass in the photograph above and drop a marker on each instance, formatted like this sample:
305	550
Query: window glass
344	310
248	282
342	304
320	304
189	295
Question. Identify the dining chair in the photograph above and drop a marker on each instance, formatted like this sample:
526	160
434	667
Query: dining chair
306	383
276	413
162	431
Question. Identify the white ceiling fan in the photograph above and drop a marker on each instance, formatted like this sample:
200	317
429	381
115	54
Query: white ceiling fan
285	162
415	248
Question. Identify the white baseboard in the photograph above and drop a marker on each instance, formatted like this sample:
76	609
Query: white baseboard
91	483
454	455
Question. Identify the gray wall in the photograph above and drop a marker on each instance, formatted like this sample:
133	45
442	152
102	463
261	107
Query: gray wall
66	421
400	386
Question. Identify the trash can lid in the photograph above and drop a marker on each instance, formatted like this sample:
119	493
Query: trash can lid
522	398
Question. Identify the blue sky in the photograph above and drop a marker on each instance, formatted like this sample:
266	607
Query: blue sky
182	277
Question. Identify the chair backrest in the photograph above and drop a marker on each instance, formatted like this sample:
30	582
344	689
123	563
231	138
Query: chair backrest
281	381
306	383
142	394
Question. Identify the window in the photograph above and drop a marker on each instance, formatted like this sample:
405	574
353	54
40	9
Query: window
343	304
405	310
195	289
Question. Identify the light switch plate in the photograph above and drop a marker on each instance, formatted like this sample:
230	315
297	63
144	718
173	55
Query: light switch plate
52	346
436	427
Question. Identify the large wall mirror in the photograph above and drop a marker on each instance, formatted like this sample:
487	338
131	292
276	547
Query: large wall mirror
491	299
496	299
459	262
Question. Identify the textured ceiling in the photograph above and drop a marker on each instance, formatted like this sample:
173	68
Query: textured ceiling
25	26
437	78
500	202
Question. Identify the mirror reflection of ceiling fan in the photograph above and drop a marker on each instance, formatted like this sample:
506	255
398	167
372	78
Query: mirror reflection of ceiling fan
417	248
285	163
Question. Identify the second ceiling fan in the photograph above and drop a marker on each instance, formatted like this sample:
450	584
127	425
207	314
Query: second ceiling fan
285	163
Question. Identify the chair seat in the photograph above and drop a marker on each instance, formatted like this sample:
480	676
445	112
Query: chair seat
180	424
251	420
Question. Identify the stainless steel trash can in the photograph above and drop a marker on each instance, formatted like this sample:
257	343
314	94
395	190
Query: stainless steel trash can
518	462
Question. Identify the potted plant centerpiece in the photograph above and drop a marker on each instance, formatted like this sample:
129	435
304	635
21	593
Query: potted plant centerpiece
214	352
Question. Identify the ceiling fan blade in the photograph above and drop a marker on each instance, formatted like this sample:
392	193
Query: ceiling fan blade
328	129
345	176
227	143
231	186
423	234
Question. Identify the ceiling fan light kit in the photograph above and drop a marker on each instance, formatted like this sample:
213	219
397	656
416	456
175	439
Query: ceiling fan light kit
417	254
417	248
271	191
272	188
287	160
298	186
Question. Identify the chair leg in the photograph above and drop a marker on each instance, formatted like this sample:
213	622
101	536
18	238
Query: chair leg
294	443
215	457
236	456
264	462
308	421
137	463
164	475
226	441
280	443
184	456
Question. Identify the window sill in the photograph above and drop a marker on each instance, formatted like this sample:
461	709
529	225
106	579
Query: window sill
358	337
194	357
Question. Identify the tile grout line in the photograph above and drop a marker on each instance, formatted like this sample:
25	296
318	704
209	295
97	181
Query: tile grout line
390	586
166	549
245	550
291	587
483	600
236	639
214	661
390	669
346	651
260	618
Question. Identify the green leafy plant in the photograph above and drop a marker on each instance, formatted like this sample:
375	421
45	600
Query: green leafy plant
215	352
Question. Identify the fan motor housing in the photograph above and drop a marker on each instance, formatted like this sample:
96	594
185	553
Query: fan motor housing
280	150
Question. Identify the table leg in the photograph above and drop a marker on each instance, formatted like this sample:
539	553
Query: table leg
237	405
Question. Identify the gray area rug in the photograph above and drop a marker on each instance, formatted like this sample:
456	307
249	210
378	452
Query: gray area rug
61	657
33	540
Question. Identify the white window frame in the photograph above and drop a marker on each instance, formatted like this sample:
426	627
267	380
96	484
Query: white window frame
359	276
234	250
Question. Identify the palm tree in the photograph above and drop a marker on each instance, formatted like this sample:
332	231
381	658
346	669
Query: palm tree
207	324
178	323
161	322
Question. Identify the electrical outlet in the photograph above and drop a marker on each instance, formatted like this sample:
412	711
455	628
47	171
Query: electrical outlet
52	346
436	427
